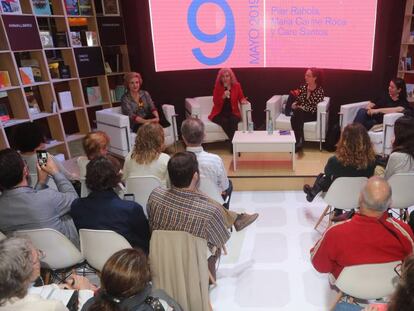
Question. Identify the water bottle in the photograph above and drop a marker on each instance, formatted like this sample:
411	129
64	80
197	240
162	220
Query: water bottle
250	127
270	126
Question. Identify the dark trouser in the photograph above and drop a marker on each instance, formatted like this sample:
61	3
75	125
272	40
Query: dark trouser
227	194
366	120
298	119
228	123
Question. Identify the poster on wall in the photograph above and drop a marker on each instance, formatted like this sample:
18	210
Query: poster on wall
22	32
110	7
197	34
89	61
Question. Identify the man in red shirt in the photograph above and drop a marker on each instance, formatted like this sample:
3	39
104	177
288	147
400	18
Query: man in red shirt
371	236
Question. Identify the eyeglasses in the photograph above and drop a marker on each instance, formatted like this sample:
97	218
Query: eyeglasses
397	269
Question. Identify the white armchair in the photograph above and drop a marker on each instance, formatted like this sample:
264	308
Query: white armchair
116	125
200	107
313	131
382	141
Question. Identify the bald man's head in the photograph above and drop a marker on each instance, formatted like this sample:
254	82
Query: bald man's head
376	195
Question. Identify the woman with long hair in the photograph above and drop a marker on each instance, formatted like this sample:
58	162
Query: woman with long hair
227	95
401	159
147	157
306	105
354	157
125	285
137	103
395	100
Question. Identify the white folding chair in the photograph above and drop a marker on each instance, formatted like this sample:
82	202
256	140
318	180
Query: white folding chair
84	189
210	189
61	256
366	282
141	187
342	194
2	236
402	192
98	245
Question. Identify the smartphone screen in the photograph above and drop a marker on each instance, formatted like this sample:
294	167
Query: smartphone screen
41	157
129	196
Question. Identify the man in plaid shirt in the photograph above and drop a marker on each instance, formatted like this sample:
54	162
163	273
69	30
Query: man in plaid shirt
183	208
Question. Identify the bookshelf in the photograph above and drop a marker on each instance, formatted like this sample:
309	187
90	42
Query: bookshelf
405	65
58	66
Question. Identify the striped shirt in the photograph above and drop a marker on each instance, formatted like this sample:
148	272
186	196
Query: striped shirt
211	166
178	209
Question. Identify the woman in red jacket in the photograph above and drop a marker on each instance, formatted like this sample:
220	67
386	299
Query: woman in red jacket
226	97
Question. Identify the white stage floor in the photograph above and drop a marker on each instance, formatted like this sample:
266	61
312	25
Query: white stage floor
268	264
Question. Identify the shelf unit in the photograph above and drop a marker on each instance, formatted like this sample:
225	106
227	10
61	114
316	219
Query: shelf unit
62	127
405	65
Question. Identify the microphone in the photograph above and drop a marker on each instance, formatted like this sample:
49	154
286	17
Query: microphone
227	89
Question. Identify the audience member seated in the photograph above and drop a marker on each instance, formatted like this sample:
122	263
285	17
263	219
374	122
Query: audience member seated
227	95
22	207
401	159
401	300
29	138
371	236
102	209
147	157
94	144
19	269
169	209
354	157
210	165
395	100
125	285
305	106
137	103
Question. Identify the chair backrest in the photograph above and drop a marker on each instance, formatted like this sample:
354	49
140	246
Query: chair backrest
206	104
179	267
402	190
59	250
84	190
141	187
98	245
344	192
322	117
370	281
210	189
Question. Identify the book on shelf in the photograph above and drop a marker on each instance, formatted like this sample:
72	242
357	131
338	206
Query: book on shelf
10	7
119	92
410	90
411	37
75	39
46	39
4	113
85	7
408	63
41	7
65	100
34	64
108	68
110	7
32	102
53	106
26	73
112	95
4	79
60	39
64	71
89	38
72	7
94	95
54	70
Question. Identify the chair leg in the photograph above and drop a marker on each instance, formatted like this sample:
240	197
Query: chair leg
211	278
327	211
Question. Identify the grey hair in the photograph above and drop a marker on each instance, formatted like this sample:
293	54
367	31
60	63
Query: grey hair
192	130
16	268
374	204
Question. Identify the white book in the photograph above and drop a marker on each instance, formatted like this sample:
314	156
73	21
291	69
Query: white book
65	100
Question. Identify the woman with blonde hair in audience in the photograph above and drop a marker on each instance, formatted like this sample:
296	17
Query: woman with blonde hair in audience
147	157
354	157
95	144
125	285
136	103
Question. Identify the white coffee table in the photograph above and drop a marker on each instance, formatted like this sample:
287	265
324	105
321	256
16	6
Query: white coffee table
261	141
